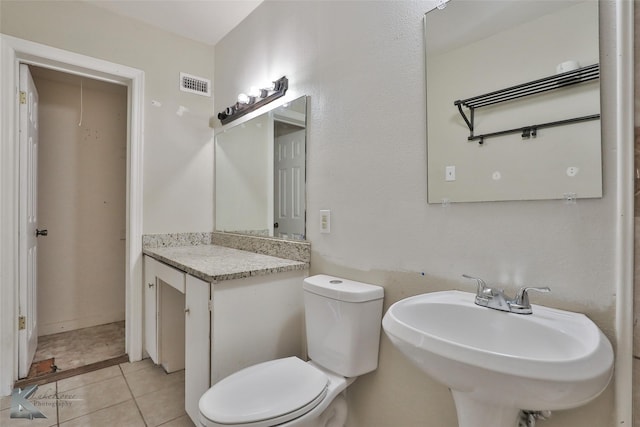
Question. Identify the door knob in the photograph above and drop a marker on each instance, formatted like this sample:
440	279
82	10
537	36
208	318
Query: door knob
41	232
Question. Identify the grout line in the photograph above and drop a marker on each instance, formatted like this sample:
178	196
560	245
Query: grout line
57	407
173	419
135	401
106	407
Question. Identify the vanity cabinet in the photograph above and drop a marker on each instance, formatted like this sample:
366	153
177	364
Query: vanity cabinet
196	343
156	275
150	309
228	324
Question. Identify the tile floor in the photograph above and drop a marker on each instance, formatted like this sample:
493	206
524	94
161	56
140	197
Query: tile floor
129	394
82	347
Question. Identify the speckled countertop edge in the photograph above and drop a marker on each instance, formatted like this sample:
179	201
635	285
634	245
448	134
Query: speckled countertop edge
214	263
290	249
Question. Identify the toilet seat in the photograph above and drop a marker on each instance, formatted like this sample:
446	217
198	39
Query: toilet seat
265	394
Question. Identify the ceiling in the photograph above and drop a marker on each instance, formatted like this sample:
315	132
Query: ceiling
206	21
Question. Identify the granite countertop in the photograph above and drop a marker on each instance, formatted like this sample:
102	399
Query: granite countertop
213	263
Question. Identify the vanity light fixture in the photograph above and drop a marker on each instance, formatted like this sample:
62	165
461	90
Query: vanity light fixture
256	98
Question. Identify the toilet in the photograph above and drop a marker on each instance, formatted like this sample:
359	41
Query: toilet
343	320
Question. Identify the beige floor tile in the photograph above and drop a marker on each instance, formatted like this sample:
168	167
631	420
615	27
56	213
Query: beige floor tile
5	402
122	414
93	397
89	378
151	379
163	405
136	366
183	421
44	400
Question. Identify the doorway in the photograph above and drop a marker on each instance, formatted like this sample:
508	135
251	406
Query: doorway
81	200
13	52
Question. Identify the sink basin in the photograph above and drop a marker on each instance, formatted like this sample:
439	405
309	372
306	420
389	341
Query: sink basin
498	363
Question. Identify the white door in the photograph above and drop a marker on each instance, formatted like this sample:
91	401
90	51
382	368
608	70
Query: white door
289	179
28	249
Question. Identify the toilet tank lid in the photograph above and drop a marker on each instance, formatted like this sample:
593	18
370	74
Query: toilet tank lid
342	289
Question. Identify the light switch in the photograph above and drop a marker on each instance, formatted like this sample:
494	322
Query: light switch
450	173
325	221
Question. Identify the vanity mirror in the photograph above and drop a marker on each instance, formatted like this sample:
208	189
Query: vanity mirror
513	101
260	173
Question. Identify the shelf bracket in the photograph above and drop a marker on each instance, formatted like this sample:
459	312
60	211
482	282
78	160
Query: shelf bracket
468	121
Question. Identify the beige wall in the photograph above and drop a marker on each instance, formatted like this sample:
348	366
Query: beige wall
81	201
362	64
178	150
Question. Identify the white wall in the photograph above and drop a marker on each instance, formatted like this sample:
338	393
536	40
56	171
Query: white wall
178	150
81	201
362	63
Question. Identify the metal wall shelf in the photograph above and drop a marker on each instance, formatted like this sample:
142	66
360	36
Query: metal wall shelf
557	81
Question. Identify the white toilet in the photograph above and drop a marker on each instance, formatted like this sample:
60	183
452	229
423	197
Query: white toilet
343	320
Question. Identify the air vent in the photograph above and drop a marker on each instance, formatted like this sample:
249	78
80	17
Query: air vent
194	84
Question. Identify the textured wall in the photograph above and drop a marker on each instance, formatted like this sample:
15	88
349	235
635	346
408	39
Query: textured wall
362	64
82	202
178	150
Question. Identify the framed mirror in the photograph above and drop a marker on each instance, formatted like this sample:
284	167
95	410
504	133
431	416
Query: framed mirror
260	173
522	142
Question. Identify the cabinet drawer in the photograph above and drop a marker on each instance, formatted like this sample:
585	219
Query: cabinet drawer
171	276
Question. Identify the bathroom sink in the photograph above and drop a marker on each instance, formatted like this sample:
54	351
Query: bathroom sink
498	363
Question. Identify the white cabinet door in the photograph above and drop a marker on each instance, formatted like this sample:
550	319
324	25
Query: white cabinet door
150	309
196	375
255	319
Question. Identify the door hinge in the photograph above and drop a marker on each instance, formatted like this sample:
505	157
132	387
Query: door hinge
22	323
23	97
210	305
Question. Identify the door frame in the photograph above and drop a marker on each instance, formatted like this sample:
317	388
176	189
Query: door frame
14	51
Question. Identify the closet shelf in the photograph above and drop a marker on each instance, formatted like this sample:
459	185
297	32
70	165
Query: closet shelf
557	81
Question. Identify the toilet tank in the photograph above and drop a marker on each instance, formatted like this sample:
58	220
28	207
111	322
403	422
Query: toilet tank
343	319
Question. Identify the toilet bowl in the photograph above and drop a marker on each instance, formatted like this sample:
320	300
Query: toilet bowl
343	331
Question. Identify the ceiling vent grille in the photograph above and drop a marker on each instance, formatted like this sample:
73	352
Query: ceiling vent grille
194	84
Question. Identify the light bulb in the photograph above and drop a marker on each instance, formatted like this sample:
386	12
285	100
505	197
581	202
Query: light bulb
254	92
243	98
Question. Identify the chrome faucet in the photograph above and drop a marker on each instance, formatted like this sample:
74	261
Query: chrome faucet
496	299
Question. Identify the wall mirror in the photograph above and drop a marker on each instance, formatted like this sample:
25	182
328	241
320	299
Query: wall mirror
513	101
260	173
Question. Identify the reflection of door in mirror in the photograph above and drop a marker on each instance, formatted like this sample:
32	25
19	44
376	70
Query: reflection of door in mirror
260	173
289	181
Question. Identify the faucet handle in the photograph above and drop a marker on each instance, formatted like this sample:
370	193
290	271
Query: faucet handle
482	285
522	297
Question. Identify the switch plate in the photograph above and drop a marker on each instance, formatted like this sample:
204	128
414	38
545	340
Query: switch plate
450	173
325	221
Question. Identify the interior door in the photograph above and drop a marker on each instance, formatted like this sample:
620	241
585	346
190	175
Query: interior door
289	179
28	246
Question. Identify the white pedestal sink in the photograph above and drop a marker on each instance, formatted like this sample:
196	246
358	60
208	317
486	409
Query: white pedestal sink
498	363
